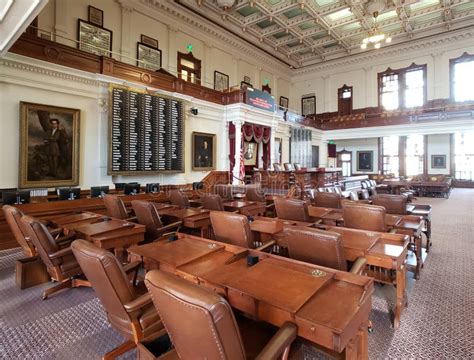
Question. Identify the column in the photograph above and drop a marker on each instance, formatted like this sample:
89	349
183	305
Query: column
370	99
238	140
272	146
440	79
126	53
327	96
60	25
172	50
207	74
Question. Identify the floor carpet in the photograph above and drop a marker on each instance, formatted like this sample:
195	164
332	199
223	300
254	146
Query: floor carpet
438	324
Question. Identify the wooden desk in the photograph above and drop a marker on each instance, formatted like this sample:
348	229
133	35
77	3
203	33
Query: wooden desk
192	218
384	252
236	205
114	234
412	225
56	209
70	222
330	307
425	212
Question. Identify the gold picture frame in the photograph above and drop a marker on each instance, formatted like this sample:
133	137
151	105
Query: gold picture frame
49	146
204	156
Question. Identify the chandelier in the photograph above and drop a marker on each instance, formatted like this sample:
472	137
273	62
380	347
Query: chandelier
225	4
376	37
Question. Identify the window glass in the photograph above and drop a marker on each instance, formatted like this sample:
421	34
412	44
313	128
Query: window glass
414	155
464	155
391	161
390	92
463	81
414	93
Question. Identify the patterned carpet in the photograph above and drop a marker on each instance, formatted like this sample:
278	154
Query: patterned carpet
438	324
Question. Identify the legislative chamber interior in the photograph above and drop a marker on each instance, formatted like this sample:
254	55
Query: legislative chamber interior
236	179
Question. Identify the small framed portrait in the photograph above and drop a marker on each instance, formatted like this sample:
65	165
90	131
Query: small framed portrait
283	103
94	39
148	57
149	41
438	161
96	16
247	79
365	161
204	151
250	153
308	105
49	146
221	81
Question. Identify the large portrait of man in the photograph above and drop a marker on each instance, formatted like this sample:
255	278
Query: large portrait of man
204	151
49	146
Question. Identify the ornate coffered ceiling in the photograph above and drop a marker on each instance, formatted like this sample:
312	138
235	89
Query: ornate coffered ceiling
306	32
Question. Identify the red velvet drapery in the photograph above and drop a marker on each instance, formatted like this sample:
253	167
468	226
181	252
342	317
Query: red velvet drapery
251	132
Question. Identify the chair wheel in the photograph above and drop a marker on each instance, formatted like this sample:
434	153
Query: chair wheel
370	329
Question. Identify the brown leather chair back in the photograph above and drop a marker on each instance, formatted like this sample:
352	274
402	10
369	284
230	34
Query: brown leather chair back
393	204
224	191
316	246
13	217
115	207
232	229
147	215
43	241
364	217
109	280
292	209
254	193
328	200
364	194
200	323
177	198
212	202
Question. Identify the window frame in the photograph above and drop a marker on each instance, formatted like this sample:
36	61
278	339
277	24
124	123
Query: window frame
402	85
341	100
465	57
197	67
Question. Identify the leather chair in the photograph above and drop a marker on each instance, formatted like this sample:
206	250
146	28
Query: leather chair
364	217
177	198
235	229
297	167
212	202
202	325
116	208
147	215
60	262
130	313
327	200
277	167
292	209
256	194
393	204
364	195
320	247
224	191
13	217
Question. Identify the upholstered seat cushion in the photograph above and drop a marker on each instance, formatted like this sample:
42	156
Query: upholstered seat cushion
70	267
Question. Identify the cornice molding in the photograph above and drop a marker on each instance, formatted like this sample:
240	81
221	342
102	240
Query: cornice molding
435	41
239	47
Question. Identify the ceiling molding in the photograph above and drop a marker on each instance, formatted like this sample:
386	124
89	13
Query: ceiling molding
449	39
171	14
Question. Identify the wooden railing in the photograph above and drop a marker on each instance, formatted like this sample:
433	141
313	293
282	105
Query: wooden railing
46	50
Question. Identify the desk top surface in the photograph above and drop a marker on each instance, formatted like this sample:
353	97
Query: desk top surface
75	218
106	226
238	203
295	287
180	213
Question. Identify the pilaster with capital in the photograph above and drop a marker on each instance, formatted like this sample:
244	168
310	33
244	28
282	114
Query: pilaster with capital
370	87
126	54
172	50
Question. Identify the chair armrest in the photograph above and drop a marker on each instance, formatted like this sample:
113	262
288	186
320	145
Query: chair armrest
138	303
266	245
67	238
359	266
279	342
171	226
60	253
131	266
131	219
55	231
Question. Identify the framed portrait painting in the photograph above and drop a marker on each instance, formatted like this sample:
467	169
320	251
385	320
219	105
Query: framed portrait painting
204	151
438	161
221	81
49	146
94	39
308	105
283	103
365	161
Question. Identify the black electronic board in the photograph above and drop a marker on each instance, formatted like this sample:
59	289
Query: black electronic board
146	133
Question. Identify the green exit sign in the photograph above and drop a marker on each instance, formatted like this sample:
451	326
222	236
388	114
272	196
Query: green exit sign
189	47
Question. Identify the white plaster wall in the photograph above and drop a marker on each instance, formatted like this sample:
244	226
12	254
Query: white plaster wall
356	145
438	145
